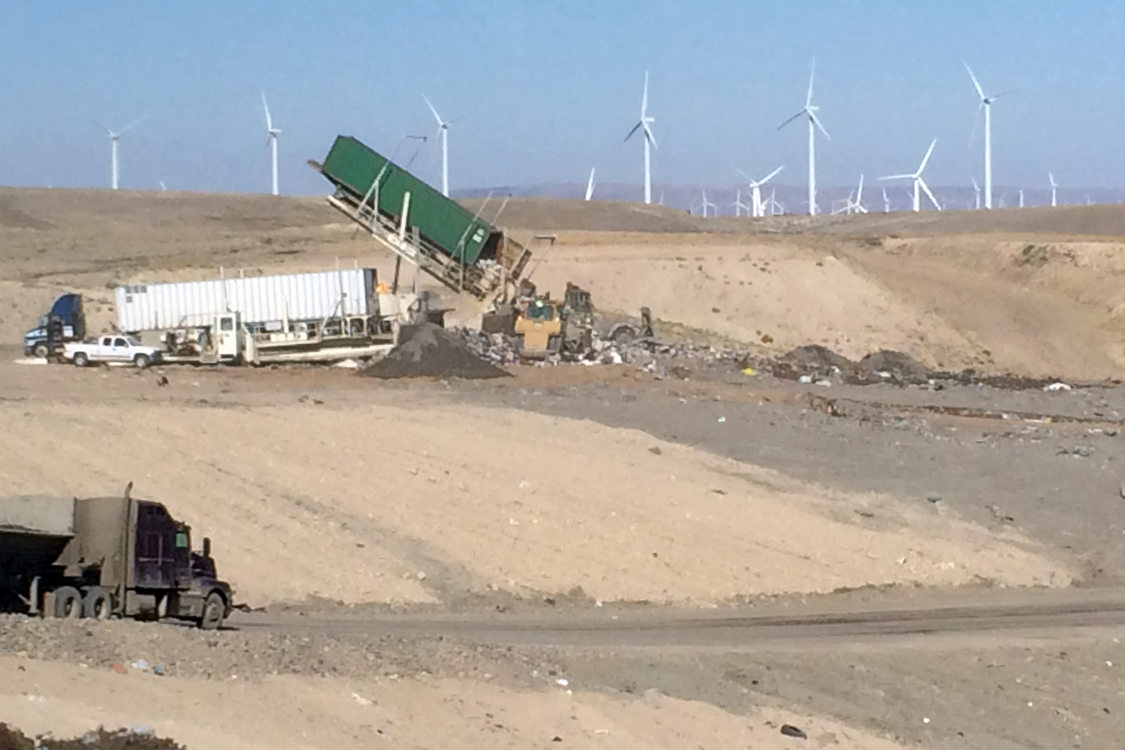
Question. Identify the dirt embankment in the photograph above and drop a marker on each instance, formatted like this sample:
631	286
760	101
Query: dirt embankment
432	502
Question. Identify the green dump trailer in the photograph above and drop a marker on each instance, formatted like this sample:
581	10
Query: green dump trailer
419	224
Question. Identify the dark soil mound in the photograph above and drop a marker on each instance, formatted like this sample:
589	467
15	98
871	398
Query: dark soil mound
888	365
125	739
814	360
430	351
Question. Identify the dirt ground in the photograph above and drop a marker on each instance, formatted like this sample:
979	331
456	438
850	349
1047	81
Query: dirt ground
607	490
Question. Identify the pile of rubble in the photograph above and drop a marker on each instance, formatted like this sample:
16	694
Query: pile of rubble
429	350
819	364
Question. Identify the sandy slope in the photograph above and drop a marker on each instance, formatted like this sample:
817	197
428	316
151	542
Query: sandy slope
286	712
374	503
956	289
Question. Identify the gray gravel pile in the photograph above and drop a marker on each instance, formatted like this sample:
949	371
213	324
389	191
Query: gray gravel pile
430	351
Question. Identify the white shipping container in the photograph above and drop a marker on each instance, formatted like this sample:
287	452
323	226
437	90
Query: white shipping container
259	299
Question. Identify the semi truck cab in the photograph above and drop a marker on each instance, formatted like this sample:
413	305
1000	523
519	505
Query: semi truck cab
64	322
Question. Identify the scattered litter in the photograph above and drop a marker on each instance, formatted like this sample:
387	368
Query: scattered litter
748	370
140	665
805	379
30	361
158	670
791	731
562	682
1108	663
1078	451
347	364
933	498
141	730
360	699
925	719
119	668
720	420
37	698
1056	386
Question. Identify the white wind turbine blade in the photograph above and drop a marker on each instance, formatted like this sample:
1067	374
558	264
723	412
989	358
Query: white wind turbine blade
644	98
440	122
791	119
132	125
771	175
812	74
816	120
1051	177
976	83
648	134
926	189
266	107
859	193
898	177
926	158
634	130
745	176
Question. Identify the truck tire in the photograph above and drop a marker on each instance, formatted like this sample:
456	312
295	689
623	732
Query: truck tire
141	361
214	609
68	603
97	604
41	351
81	360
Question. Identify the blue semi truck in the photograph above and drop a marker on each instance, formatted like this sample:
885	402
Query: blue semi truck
65	322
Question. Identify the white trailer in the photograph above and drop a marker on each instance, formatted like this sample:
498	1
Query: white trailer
322	316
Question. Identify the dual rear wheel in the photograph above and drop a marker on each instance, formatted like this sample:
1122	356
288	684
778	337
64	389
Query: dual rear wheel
71	604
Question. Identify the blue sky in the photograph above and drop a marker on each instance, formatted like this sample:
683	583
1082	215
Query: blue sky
545	90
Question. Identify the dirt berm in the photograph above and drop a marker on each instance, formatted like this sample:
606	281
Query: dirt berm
428	350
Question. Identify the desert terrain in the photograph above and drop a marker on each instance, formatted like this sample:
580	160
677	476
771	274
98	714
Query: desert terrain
690	552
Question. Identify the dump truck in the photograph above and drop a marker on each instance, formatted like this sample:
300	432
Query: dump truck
419	225
103	557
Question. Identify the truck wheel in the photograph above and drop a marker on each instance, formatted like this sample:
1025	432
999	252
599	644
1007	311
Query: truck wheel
41	350
623	335
141	361
97	604
81	360
68	603
213	611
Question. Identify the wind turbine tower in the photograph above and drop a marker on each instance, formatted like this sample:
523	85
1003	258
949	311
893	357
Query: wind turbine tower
920	185
757	208
443	131
886	202
271	138
114	137
976	194
1054	189
985	106
644	125
590	185
809	111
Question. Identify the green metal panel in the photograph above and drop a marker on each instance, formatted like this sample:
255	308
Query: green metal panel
353	166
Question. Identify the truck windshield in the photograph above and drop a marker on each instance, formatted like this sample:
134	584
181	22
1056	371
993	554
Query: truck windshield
538	310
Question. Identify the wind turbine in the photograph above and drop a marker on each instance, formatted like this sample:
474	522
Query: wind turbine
854	203
976	194
707	204
739	206
886	202
809	110
986	106
774	206
1021	197
443	131
919	183
271	137
650	140
590	185
756	207
1054	189
114	137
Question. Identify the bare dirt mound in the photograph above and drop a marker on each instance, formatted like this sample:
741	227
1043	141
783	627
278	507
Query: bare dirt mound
812	360
552	214
430	351
889	365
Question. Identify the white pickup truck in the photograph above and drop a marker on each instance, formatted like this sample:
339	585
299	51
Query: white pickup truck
115	347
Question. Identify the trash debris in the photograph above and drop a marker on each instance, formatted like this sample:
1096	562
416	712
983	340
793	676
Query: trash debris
347	364
158	670
562	682
119	668
721	420
429	350
140	665
360	699
933	498
1057	386
791	731
748	370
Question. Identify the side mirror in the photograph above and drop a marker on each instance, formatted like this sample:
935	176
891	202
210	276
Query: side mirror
206	546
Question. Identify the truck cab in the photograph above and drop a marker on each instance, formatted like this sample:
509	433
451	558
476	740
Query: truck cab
65	322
